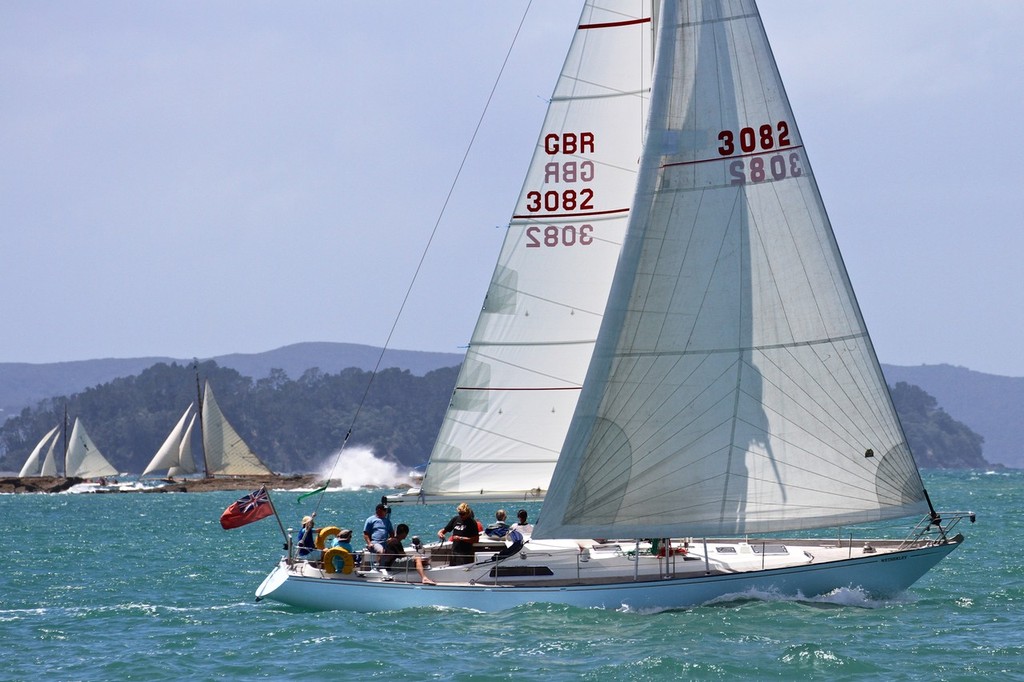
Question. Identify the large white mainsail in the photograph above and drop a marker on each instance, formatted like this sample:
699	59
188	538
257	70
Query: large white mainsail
529	352
226	453
175	454
734	388
83	459
38	464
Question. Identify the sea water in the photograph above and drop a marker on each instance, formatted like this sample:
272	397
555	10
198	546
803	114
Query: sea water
149	587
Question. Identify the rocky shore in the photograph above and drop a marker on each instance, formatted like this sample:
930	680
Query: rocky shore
50	484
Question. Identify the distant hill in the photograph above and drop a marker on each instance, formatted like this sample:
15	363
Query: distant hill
24	384
989	404
332	358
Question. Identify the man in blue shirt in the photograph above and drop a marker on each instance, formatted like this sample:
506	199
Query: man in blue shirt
377	530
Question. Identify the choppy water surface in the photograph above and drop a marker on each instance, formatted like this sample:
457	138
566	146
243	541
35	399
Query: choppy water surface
148	587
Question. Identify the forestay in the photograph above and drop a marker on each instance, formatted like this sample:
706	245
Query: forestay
734	387
528	354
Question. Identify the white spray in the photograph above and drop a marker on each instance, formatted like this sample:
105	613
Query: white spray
359	467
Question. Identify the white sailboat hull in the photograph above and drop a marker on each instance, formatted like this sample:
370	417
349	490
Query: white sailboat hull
884	573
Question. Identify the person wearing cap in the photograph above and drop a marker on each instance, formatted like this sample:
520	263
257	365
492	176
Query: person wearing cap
307	536
377	530
465	533
343	539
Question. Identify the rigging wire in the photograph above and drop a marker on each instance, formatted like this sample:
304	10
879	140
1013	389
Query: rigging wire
426	249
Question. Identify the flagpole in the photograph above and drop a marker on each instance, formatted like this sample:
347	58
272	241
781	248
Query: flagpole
278	517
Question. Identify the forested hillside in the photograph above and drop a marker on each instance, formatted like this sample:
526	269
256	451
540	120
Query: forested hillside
296	425
293	425
23	384
991	405
936	439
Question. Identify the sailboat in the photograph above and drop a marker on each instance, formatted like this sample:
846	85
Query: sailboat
39	464
83	459
225	453
670	354
175	454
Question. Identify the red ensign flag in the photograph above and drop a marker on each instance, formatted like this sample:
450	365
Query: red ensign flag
253	507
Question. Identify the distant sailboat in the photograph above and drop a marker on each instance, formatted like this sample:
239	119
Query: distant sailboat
186	463
175	454
38	464
83	459
713	380
224	451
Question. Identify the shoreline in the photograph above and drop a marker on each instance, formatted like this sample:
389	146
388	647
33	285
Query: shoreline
59	484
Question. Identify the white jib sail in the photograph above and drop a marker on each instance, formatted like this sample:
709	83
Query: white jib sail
528	354
84	459
50	461
186	462
35	464
734	387
168	456
226	453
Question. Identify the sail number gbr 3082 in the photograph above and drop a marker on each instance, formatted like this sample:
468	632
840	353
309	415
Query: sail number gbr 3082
762	153
577	199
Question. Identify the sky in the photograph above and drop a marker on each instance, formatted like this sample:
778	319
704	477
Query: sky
196	178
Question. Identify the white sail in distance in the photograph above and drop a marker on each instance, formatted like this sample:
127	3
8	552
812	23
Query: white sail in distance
83	459
186	461
50	461
36	465
226	453
169	455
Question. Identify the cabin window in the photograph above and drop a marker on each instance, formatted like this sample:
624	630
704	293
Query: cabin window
769	549
520	571
725	550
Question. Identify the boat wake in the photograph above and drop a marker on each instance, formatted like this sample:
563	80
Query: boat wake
839	598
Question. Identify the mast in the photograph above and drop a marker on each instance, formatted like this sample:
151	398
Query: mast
199	402
65	440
